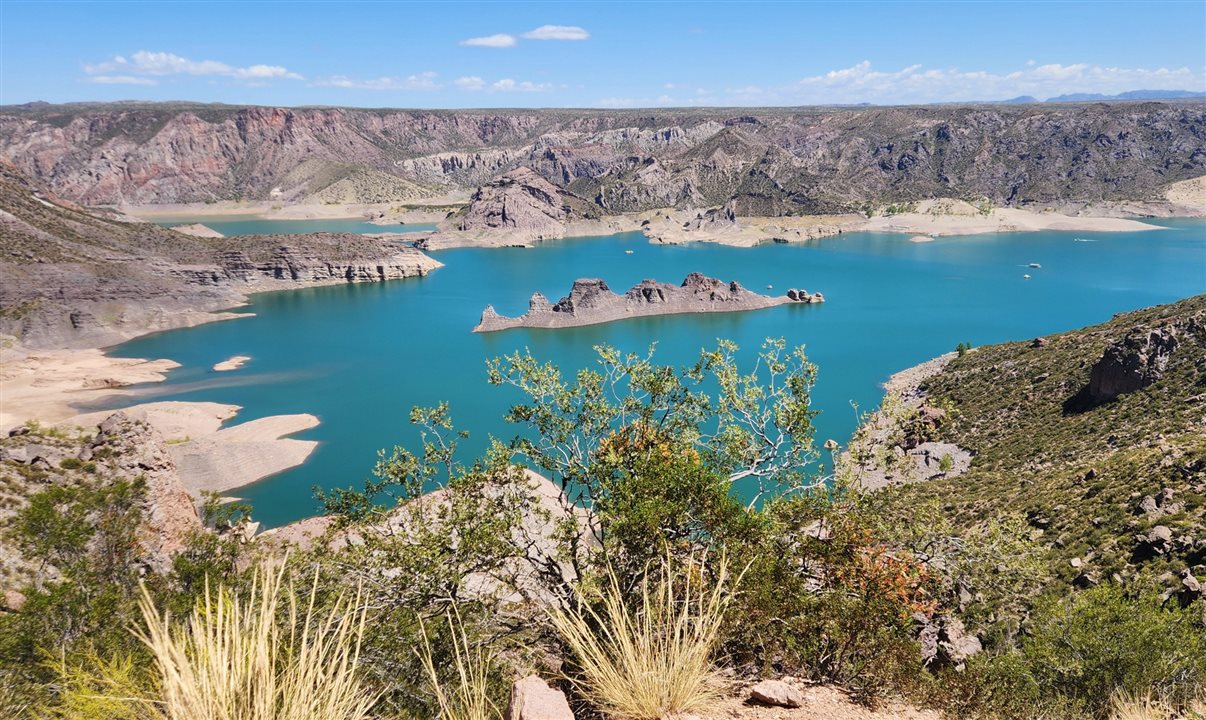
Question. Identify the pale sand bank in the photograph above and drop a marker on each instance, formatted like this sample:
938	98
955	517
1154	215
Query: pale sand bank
233	363
241	454
425	210
956	217
210	457
921	239
177	422
198	230
1189	194
42	385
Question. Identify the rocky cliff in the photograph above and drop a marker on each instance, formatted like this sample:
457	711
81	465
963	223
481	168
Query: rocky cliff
764	162
119	449
76	278
591	302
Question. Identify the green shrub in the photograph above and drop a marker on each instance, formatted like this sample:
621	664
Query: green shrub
1103	641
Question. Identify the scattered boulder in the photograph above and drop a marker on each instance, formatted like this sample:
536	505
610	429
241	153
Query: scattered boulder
14	601
533	699
1156	541
1154	506
1132	363
776	693
944	640
1038	342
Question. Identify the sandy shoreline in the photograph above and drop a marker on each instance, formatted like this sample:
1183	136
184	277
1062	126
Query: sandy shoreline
45	385
428	210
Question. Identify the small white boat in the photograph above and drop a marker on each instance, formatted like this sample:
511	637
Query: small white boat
770	287
1035	265
627	252
1025	277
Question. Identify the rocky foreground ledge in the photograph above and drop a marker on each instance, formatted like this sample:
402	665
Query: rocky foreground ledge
591	302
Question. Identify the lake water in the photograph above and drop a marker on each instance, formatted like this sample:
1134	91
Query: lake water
232	225
360	356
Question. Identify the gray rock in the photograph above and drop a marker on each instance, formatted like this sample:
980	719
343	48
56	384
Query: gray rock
1132	364
945	641
1157	541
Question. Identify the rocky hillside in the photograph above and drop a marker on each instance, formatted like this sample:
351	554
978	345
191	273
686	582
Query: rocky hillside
74	277
121	449
762	162
1095	439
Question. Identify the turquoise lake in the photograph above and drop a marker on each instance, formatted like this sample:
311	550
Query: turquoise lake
360	356
232	225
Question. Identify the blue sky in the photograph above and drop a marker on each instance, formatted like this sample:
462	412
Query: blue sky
593	54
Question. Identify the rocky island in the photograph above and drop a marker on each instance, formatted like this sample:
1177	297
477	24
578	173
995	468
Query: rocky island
591	302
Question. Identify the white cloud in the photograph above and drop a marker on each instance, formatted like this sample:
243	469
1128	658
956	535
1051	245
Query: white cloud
615	102
557	32
471	82
145	64
916	84
121	80
499	40
419	81
509	85
647	102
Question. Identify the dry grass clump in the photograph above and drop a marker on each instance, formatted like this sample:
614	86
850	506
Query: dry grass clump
1131	706
467	697
232	661
654	660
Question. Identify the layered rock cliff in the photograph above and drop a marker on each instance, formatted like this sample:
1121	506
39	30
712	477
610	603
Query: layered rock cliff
763	161
75	278
590	302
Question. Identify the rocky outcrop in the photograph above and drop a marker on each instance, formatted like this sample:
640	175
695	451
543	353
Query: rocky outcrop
1132	363
138	451
124	448
517	208
591	302
944	641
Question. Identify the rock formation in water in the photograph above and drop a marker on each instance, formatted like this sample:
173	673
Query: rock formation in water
591	302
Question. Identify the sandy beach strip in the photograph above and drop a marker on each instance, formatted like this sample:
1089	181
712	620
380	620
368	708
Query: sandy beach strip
1001	220
44	386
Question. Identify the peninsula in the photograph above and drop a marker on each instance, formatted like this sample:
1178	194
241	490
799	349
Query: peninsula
591	302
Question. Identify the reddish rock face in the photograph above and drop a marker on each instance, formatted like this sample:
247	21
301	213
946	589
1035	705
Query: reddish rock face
770	163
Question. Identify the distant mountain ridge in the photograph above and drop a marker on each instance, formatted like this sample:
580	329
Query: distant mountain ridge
1129	95
758	161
